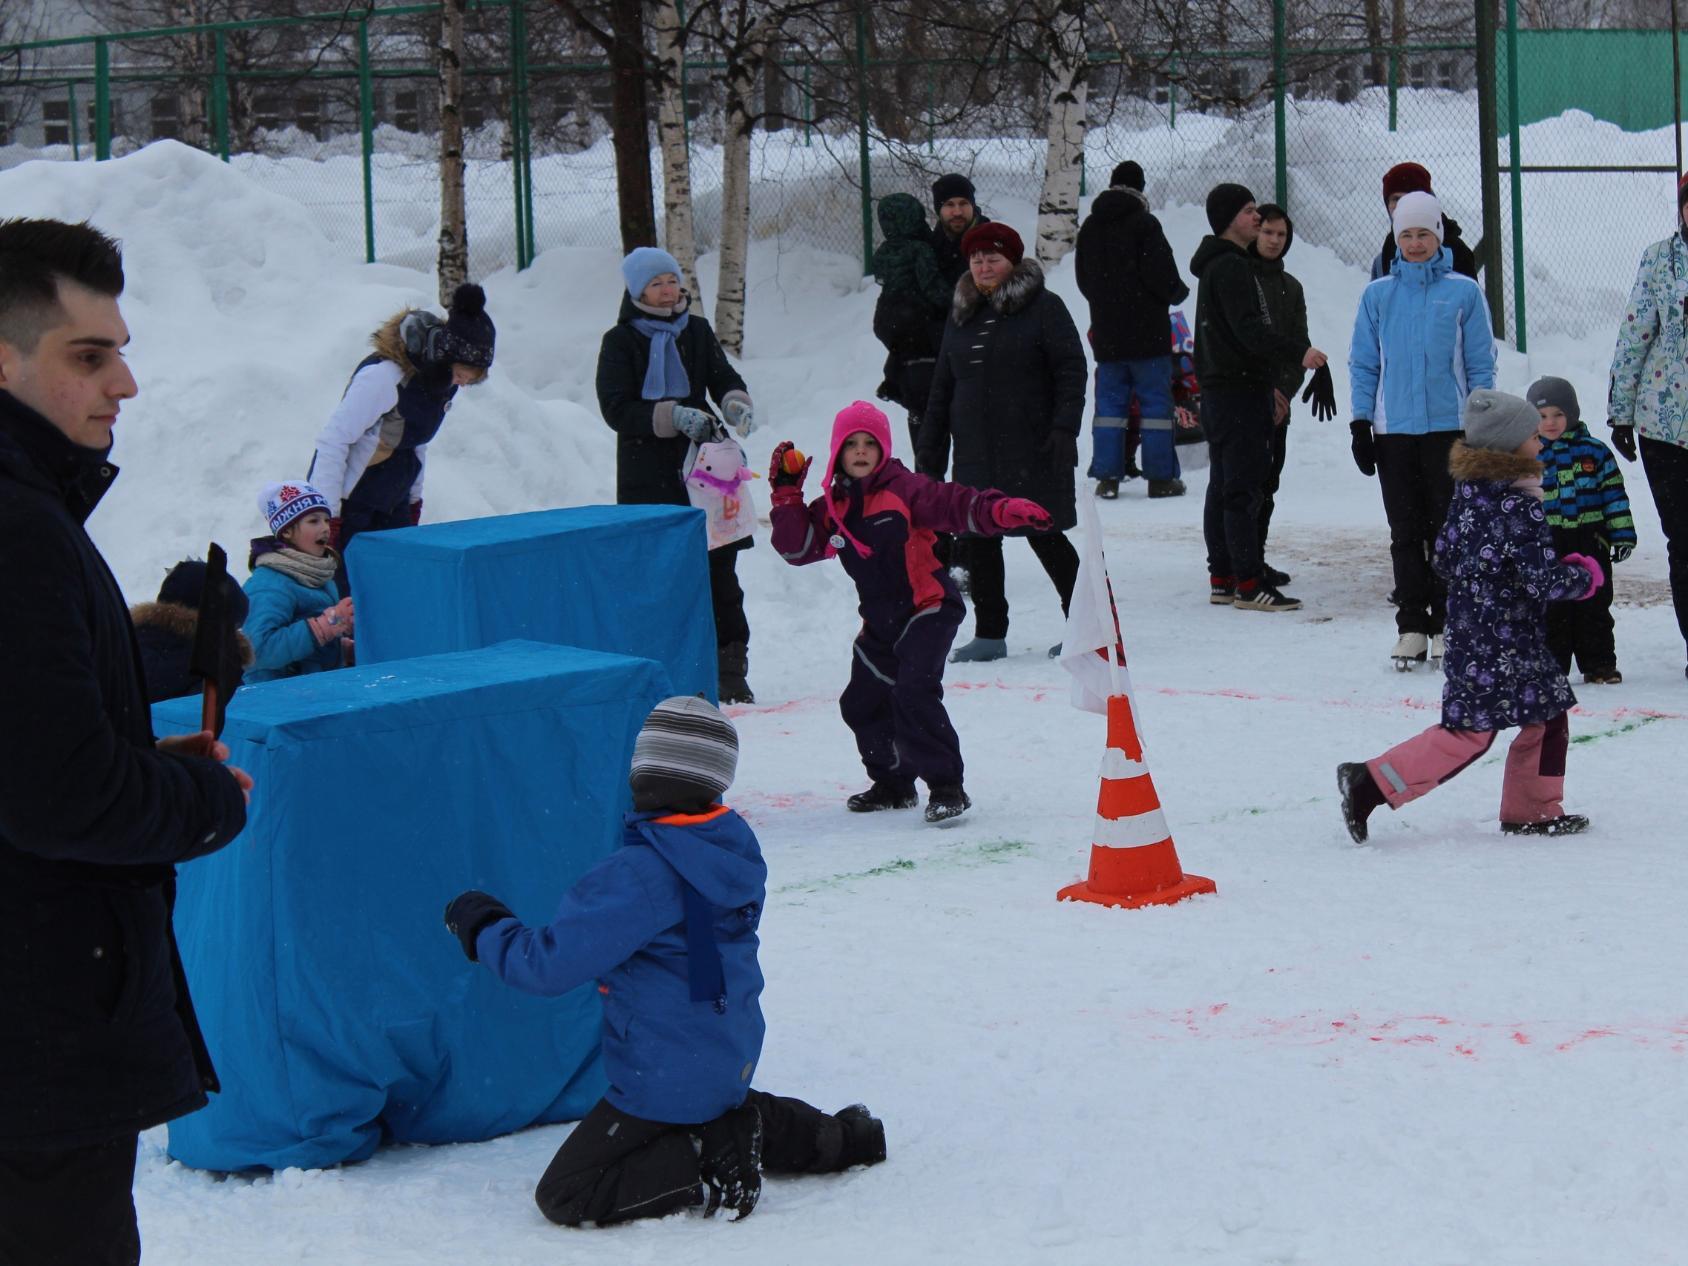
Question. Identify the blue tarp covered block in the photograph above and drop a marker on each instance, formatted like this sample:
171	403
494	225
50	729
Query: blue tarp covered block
633	580
338	1008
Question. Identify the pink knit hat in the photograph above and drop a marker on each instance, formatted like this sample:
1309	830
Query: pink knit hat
852	419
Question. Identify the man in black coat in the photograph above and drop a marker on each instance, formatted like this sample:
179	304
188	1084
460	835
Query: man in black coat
957	205
1126	271
100	1036
1238	350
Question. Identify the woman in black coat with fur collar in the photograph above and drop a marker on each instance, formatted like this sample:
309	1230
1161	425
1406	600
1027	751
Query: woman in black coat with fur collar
1008	396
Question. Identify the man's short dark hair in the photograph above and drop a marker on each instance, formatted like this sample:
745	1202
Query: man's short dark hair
35	256
1271	211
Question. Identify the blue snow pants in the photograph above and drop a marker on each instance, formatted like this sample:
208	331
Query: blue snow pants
1150	380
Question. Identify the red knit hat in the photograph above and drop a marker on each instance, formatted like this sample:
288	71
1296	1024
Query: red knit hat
999	238
1405	178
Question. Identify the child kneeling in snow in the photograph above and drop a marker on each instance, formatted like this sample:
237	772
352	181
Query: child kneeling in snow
297	618
667	925
1497	556
879	518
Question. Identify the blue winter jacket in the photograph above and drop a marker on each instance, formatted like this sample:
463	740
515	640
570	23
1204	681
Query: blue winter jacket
668	1058
1421	343
282	643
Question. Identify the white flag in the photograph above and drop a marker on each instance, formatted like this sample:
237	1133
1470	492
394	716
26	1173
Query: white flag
1092	650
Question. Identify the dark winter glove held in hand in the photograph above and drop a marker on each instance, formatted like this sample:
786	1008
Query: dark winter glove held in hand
1062	450
1623	439
469	914
1321	392
1621	551
1365	456
929	464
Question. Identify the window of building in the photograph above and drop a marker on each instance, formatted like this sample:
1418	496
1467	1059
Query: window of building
1420	76
269	112
5	124
1445	75
1345	83
307	113
167	117
407	111
55	116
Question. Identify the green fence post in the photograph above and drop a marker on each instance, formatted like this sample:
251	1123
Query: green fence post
102	100
518	59
1394	82
861	124
1515	164
220	94
1280	142
366	117
75	132
527	155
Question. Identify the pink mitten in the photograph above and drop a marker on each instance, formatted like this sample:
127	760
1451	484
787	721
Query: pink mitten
1017	512
1594	569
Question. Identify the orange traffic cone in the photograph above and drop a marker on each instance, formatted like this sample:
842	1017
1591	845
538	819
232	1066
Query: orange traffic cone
1132	860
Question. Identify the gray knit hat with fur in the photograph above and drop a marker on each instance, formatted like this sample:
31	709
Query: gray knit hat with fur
1498	421
688	740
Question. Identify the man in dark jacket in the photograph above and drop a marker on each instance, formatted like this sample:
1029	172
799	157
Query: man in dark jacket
1286	304
1398	181
957	205
1238	349
100	1036
1126	271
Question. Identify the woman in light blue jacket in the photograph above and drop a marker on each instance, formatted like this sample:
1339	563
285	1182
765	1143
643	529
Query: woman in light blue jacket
1422	342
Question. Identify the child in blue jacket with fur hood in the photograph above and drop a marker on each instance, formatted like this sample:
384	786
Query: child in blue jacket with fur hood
667	926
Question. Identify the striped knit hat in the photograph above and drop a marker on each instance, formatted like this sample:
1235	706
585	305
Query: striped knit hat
688	740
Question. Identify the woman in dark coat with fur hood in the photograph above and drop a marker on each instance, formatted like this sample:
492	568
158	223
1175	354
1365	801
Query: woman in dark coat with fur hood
1008	394
165	630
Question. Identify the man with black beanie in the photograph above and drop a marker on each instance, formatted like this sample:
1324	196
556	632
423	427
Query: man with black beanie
956	203
1238	351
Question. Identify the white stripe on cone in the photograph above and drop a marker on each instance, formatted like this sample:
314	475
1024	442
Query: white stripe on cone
1137	831
1116	764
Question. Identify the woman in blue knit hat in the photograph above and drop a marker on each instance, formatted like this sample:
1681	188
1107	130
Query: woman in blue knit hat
658	369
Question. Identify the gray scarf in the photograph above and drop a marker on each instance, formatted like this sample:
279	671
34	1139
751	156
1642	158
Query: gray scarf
297	565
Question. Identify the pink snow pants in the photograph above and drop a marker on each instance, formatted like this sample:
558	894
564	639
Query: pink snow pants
1534	783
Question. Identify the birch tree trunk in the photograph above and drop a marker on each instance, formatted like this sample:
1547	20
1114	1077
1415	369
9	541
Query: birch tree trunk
454	230
1057	208
735	199
677	231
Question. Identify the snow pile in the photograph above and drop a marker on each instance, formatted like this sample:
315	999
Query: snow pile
1443	1047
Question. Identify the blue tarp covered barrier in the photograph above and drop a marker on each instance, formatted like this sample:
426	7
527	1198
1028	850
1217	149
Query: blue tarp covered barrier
336	1005
633	580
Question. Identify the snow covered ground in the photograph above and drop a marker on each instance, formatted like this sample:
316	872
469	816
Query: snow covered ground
1441	1048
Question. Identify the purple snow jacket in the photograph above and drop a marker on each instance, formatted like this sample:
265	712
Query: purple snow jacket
882	529
1496	553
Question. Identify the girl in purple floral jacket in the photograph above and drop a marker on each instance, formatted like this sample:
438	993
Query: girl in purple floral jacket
1496	553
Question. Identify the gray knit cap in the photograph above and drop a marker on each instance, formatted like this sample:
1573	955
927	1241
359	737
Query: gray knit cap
1556	393
1498	421
689	740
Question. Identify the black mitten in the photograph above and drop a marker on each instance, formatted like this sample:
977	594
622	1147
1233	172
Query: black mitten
467	915
1623	439
1365	454
1062	450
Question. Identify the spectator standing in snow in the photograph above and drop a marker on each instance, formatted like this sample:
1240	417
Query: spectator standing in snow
914	299
1398	181
1238	354
101	1041
1126	272
879	519
1421	342
956	202
1649	392
658	368
298	620
1286	303
1587	511
1009	392
1502	571
370	453
667	926
165	630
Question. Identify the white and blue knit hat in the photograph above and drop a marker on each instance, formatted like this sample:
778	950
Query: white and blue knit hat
688	740
280	504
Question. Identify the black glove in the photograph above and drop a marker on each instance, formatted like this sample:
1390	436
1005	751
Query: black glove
1321	392
1623	439
930	463
1365	455
467	915
730	1160
1062	450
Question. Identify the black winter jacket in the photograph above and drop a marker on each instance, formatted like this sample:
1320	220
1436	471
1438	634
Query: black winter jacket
1011	370
164	632
1126	270
1237	344
1286	304
100	1035
649	452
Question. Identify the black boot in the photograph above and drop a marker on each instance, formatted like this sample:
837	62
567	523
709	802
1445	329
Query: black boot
1360	795
884	794
731	1160
864	1136
948	801
1564	824
732	664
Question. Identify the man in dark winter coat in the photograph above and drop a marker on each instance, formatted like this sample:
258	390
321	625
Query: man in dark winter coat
957	205
1286	304
1126	271
100	1036
1238	350
165	630
1398	181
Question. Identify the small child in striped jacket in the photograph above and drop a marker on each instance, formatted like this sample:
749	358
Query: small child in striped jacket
1588	513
